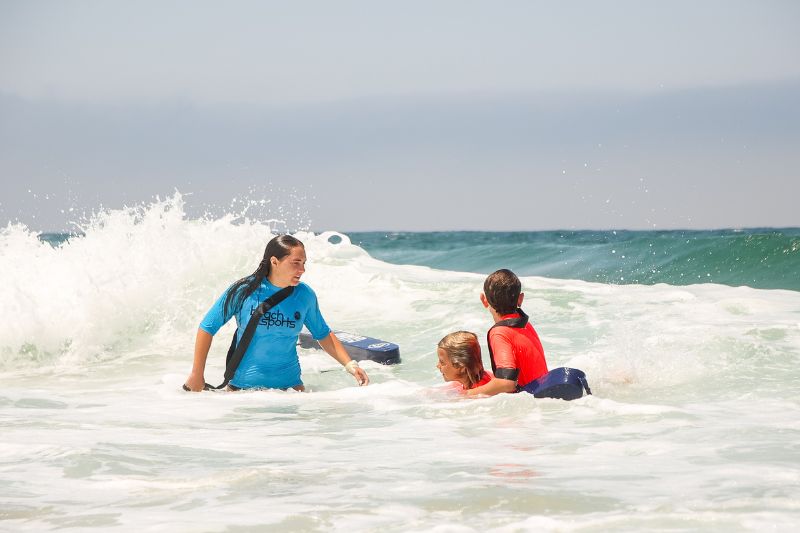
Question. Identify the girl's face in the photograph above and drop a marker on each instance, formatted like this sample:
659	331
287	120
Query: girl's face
449	372
287	271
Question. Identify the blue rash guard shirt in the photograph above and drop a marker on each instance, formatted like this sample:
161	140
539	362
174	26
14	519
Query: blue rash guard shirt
271	359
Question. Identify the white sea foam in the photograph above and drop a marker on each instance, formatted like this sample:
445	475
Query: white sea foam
692	425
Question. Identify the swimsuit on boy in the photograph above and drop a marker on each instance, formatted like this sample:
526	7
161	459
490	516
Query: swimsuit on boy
516	352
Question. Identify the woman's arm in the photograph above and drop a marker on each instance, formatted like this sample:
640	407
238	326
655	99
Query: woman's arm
202	344
334	348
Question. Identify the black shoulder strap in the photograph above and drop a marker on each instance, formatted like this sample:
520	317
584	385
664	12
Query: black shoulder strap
236	351
520	322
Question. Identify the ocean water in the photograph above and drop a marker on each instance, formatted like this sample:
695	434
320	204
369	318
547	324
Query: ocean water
691	346
762	258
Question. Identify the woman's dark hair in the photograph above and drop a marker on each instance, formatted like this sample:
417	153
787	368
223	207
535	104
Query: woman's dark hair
279	247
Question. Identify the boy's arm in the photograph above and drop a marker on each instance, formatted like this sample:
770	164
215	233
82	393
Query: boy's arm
495	386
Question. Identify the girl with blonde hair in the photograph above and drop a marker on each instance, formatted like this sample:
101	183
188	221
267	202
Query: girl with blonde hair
460	360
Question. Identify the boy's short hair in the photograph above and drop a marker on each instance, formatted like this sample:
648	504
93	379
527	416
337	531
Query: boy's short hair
502	289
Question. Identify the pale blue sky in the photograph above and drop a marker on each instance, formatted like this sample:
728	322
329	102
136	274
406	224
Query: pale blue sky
407	115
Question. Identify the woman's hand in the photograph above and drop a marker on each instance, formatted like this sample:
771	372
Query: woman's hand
361	377
334	348
195	382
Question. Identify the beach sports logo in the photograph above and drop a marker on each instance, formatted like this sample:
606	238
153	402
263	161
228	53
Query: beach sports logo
378	345
276	319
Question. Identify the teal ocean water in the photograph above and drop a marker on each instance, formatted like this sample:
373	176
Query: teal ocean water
690	342
763	258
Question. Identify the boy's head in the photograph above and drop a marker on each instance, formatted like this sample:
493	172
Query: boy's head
502	289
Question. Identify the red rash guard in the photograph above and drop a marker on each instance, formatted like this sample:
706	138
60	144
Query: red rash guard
518	348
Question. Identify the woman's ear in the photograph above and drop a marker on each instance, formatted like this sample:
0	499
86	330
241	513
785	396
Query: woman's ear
519	300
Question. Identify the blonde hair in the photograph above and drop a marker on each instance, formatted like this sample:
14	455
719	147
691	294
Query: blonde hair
464	351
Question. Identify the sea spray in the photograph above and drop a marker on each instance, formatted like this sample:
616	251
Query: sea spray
132	274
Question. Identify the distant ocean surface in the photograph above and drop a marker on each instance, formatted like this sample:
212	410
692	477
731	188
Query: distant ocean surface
690	341
763	258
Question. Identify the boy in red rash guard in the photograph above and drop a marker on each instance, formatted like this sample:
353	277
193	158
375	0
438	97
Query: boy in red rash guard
515	350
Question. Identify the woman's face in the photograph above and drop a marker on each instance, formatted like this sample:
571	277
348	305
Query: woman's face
287	271
449	372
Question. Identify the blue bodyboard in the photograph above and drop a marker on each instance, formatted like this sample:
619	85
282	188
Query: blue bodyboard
562	383
360	348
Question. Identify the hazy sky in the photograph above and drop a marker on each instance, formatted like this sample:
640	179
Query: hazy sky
412	115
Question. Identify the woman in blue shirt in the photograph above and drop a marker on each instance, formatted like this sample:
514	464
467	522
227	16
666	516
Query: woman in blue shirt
271	359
